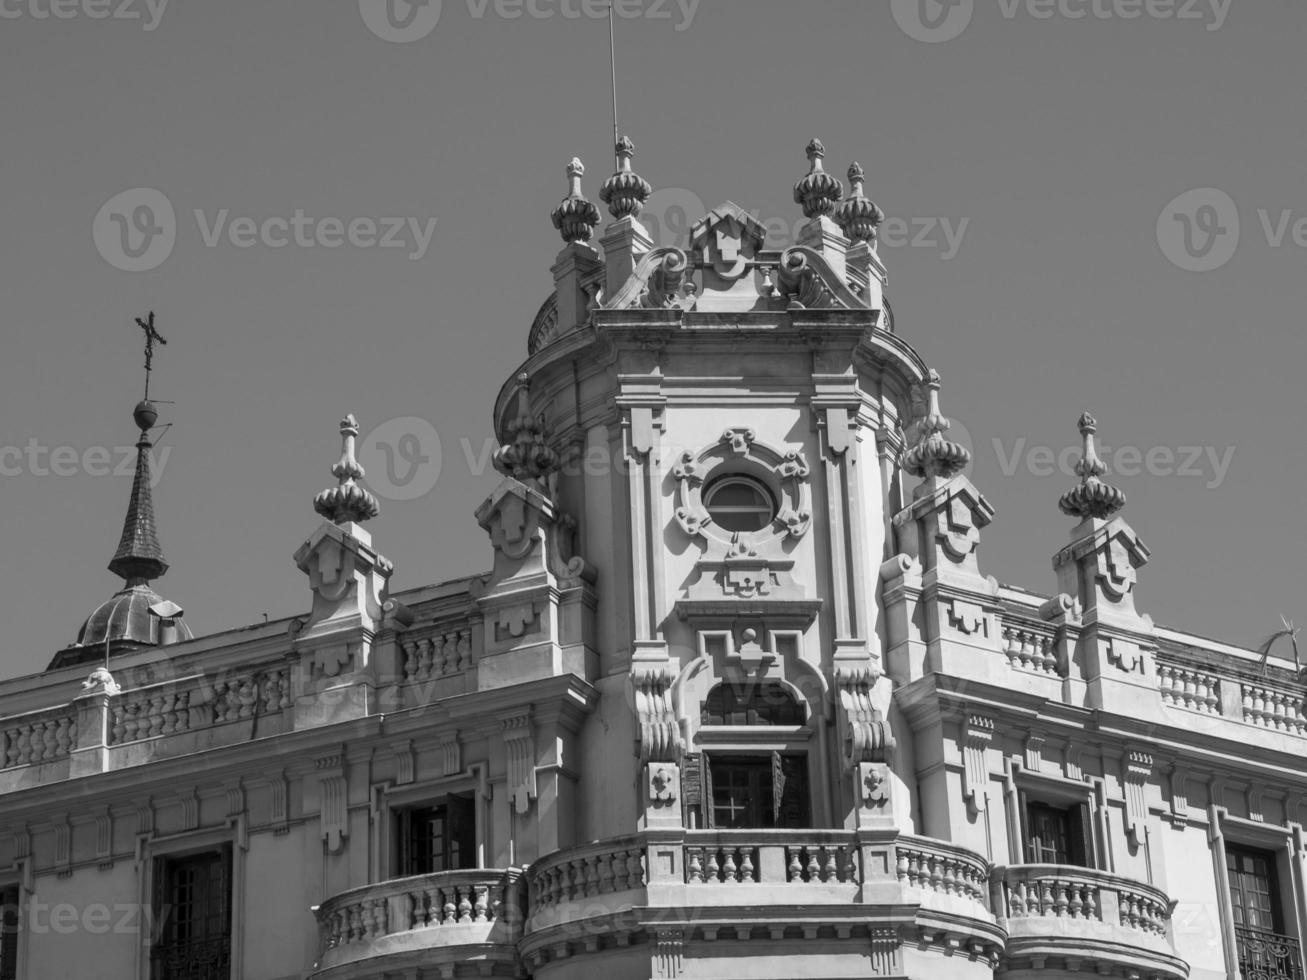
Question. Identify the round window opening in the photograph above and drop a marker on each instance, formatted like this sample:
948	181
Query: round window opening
739	504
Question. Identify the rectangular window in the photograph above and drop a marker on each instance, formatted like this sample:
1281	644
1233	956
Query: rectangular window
436	838
193	907
1259	925
757	791
10	922
1056	835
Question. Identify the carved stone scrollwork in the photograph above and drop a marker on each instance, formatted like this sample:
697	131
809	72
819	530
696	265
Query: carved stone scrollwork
660	734
669	287
864	734
785	472
1137	771
806	279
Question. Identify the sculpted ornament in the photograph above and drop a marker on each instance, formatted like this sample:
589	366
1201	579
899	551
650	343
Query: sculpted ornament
784	472
660	280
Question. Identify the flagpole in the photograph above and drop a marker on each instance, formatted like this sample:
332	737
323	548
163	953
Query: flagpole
612	59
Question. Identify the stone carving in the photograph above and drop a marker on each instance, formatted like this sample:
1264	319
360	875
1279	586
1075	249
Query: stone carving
859	217
977	734
625	191
863	732
786	473
519	743
347	503
930	454
663	780
1092	498
100	682
668	286
575	217
806	279
817	191
525	453
1138	770
875	785
660	734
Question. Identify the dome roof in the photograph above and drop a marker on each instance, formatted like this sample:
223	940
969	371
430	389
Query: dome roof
126	618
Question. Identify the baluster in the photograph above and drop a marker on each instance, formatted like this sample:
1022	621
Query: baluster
830	870
410	659
430	907
464	903
1091	902
62	736
813	869
449	910
746	864
900	863
1007	644
694	865
1060	902
591	876
730	869
634	868
464	649
606	873
793	867
936	872
1077	905
1045	897
481	908
713	865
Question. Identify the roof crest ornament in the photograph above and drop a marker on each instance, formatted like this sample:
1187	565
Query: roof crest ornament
347	502
525	454
817	191
625	191
574	216
933	455
1092	498
859	216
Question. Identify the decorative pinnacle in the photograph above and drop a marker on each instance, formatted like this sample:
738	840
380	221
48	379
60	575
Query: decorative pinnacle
817	191
525	455
859	216
625	191
1093	498
575	217
347	502
933	455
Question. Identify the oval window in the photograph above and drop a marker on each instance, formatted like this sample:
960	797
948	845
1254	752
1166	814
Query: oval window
739	504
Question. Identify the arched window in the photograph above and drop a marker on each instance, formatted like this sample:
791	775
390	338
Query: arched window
765	702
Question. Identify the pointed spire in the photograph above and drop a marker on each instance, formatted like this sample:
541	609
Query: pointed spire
525	455
817	191
932	455
859	216
625	191
1093	498
575	217
347	502
139	558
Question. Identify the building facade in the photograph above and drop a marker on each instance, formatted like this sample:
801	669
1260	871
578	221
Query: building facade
736	698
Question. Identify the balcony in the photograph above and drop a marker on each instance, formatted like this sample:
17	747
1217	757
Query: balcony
451	916
1072	919
1268	956
753	893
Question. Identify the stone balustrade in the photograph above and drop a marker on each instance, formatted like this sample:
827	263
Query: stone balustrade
942	868
1055	912
436	653
445	911
1273	707
1191	688
41	736
191	703
1030	647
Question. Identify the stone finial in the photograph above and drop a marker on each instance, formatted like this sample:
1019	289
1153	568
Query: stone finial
817	191
575	217
347	502
932	455
859	216
625	191
1093	498
526	454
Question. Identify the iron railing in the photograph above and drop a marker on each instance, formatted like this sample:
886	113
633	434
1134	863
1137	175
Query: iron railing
205	959
1268	955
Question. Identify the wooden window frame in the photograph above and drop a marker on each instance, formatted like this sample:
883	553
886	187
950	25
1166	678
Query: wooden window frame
156	850
1058	793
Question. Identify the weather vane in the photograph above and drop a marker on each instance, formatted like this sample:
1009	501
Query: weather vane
151	335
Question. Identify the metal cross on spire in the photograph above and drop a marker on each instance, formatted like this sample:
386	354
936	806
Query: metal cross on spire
151	336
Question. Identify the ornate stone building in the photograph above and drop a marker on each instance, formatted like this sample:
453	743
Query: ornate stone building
736	698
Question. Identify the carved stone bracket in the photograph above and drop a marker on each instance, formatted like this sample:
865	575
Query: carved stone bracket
810	282
977	734
863	732
333	815
519	744
659	734
1138	768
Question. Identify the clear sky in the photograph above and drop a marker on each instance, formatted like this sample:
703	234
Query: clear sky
1031	154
